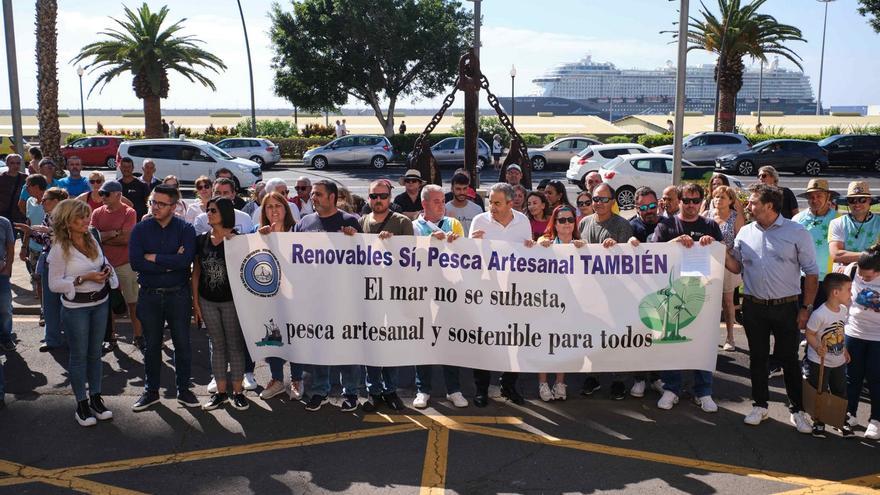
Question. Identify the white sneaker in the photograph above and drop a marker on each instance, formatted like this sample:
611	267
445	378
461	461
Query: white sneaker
757	415
800	421
851	420
873	430
706	404
274	388
559	391
668	400
457	399
728	347
421	400
638	388
657	386
494	392
544	392
249	383
295	392
212	387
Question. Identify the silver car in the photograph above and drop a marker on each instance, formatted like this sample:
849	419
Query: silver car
559	152
258	150
354	149
703	148
450	151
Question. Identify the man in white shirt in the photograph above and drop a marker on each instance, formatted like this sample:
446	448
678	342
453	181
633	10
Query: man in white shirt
461	207
225	188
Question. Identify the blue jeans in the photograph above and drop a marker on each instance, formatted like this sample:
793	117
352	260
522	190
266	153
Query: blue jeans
154	309
51	307
702	382
321	375
450	376
381	380
276	368
5	309
85	329
864	363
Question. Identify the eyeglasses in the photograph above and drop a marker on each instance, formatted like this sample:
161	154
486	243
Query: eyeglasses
691	201
301	188
411	181
204	185
763	176
96	181
103	194
212	210
283	192
856	201
600	199
565	219
585	203
382	196
649	206
160	204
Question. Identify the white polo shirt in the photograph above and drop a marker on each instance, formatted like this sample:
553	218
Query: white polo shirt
518	230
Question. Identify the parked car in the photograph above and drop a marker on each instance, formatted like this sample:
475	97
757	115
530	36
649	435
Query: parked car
785	155
591	158
353	149
258	150
626	173
559	152
450	152
188	159
94	151
853	150
705	147
7	147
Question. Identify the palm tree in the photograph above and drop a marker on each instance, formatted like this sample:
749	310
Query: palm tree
148	52
47	80
737	32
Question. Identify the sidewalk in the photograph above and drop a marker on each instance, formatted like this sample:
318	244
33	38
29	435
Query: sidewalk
24	299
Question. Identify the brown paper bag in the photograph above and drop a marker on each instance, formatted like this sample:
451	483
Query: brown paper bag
822	405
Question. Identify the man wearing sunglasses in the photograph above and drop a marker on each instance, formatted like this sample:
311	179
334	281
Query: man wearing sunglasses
302	199
851	234
647	216
409	201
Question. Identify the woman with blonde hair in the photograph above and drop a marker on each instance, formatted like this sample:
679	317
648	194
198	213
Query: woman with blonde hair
724	213
93	197
768	175
82	275
204	192
180	207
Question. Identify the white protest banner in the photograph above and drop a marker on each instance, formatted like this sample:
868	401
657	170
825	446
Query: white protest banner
318	298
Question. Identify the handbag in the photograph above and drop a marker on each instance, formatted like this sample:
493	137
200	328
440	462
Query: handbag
822	405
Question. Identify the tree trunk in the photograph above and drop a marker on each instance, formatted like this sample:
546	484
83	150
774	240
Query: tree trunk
47	81
152	117
387	123
729	84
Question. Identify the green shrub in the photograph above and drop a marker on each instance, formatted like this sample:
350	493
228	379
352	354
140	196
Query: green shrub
294	147
274	127
313	130
73	136
651	140
618	139
489	126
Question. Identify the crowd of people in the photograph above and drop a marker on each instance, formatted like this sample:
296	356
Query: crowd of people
97	250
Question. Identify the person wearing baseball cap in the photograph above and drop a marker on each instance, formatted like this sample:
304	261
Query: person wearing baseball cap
409	201
514	175
855	232
817	220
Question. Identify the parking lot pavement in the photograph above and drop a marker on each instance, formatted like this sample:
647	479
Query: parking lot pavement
585	444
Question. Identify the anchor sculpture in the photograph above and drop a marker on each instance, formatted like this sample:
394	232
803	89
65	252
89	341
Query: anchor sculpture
470	80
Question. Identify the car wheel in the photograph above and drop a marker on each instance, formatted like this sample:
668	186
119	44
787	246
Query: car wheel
378	162
877	165
110	162
319	163
745	167
626	198
538	163
258	160
813	168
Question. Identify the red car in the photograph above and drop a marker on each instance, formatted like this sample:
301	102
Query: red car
94	150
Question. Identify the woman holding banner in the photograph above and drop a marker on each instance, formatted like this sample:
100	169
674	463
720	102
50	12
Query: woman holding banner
561	229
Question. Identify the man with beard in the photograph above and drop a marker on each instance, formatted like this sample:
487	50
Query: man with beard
462	208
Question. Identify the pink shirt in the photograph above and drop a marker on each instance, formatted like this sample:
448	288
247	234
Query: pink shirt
122	219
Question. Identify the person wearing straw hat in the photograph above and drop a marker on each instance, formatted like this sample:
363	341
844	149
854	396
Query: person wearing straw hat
409	201
817	220
855	232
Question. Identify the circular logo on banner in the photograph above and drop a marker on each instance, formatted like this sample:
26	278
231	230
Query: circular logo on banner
261	273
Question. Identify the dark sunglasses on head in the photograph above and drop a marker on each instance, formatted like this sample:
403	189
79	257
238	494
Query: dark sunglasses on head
761	176
283	192
203	186
212	210
691	201
600	199
96	181
379	196
565	219
649	206
585	203
857	201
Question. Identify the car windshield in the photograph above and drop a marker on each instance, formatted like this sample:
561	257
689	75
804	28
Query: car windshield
827	141
217	153
761	145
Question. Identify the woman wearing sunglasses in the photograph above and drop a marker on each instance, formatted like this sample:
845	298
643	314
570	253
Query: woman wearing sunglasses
93	198
584	204
203	194
561	229
768	175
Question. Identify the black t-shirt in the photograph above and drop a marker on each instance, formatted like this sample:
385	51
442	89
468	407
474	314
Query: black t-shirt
406	204
670	228
789	203
152	185
334	223
136	192
641	230
213	281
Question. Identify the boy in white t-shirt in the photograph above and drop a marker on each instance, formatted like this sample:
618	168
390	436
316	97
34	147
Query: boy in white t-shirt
825	339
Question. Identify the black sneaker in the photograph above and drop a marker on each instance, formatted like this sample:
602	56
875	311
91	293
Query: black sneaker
44	347
315	402
512	395
349	403
140	343
109	347
187	398
481	400
818	430
591	384
42	321
393	401
147	399
8	346
97	405
239	401
83	414
618	390
775	371
216	400
846	431
372	403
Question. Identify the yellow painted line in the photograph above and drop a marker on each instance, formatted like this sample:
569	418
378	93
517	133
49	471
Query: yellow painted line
27	474
436	455
487	420
853	485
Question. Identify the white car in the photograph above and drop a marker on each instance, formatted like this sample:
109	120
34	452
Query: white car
591	159
626	173
187	159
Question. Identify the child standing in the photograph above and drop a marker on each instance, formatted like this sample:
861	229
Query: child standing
825	336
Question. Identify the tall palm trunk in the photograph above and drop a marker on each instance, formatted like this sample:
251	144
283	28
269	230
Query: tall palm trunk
152	117
729	83
47	80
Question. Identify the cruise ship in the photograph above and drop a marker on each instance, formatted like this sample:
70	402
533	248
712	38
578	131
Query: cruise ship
599	88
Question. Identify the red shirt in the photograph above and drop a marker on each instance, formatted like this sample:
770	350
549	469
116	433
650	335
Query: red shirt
122	219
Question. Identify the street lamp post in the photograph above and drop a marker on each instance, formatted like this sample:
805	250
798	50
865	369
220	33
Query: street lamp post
247	47
512	93
760	91
681	75
82	109
822	58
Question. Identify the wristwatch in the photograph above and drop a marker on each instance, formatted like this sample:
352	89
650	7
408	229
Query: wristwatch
78	280
808	307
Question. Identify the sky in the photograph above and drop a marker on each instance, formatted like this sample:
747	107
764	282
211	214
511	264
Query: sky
533	36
